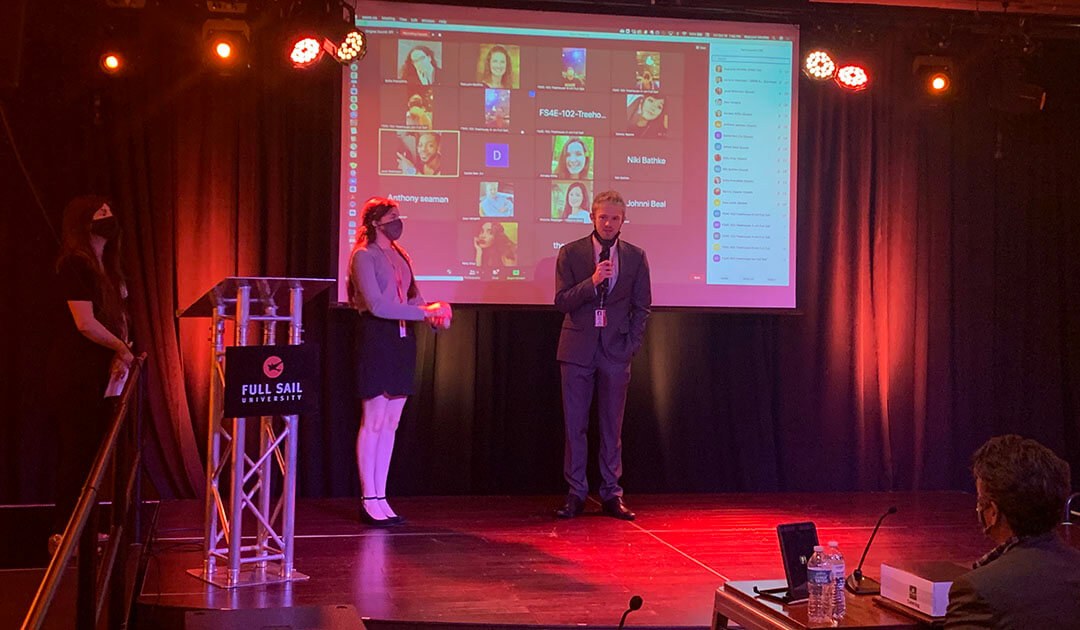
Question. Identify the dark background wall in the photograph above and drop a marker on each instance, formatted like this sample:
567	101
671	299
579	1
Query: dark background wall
939	294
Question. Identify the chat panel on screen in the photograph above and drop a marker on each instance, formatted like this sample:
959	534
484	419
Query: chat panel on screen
495	129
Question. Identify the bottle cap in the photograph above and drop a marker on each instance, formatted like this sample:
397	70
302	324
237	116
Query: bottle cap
818	548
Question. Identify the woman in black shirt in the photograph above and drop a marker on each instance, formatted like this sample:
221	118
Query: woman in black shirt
90	353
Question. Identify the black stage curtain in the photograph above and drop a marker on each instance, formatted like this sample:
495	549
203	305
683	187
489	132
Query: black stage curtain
939	287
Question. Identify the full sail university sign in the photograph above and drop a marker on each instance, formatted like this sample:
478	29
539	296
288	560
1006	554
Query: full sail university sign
271	380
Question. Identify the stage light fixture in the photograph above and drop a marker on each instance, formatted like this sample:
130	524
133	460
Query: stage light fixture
853	77
819	65
324	27
112	63
305	51
352	48
226	43
223	49
342	40
935	75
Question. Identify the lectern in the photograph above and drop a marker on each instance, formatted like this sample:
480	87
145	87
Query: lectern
268	558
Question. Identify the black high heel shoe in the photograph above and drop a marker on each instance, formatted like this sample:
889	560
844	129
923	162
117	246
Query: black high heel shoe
368	519
392	520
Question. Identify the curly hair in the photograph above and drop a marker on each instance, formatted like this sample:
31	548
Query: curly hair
1027	481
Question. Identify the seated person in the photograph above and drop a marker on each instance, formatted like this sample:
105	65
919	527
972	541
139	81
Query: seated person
495	204
1032	578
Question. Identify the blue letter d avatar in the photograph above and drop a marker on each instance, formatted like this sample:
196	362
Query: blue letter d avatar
497	155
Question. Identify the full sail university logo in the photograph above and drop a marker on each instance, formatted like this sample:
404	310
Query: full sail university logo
271	380
283	391
273	366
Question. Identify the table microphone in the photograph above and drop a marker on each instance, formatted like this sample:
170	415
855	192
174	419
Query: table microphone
858	583
635	603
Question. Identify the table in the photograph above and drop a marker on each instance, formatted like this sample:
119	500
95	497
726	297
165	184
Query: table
737	602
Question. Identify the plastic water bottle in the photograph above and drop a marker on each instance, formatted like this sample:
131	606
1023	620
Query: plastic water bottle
839	573
819	581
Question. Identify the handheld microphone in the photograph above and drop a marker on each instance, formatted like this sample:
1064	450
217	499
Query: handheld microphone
635	603
605	254
858	583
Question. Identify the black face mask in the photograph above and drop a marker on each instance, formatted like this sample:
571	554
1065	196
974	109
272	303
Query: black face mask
393	229
604	241
107	228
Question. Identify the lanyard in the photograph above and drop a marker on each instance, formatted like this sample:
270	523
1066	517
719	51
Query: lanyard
402	330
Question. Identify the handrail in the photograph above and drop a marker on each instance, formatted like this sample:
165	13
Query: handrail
35	617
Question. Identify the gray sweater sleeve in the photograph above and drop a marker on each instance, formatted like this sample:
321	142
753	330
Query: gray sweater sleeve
382	302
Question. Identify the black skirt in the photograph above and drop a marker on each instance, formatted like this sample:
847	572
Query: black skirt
385	361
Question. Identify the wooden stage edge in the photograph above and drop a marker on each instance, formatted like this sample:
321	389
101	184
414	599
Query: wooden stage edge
506	562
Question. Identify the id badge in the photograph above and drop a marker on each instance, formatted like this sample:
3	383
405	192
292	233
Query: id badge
600	318
402	331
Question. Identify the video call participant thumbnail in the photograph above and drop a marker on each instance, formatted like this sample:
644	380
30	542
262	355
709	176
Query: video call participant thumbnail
570	202
502	156
495	202
648	70
419	62
497	109
496	244
573	63
418	109
572	157
497	66
646	116
425	153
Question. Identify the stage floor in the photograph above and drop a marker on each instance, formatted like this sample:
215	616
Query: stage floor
506	561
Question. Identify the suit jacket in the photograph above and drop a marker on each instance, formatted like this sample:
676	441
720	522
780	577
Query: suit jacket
628	304
1035	584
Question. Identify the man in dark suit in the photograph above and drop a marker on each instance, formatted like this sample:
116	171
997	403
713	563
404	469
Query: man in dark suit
1032	578
602	285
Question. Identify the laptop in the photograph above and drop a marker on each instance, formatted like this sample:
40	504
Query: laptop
797	542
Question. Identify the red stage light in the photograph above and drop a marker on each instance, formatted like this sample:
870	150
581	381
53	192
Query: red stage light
305	51
223	49
853	77
227	45
111	63
939	83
